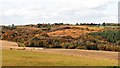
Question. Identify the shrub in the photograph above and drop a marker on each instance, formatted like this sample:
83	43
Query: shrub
108	48
56	45
38	43
118	42
112	48
100	47
21	44
69	37
44	34
66	45
117	48
110	35
81	47
21	40
72	45
91	46
49	46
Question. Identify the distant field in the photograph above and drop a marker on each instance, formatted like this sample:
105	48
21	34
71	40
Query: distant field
29	58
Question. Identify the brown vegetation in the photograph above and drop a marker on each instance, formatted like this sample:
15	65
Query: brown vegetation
64	36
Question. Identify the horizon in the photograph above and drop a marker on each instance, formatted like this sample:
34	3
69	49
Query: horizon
58	23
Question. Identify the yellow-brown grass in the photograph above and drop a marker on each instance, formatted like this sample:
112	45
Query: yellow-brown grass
74	31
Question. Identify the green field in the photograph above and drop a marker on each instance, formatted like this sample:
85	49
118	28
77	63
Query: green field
28	58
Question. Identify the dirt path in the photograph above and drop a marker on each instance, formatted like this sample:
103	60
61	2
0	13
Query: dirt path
70	52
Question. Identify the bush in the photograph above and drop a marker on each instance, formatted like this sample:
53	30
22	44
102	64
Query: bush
44	34
118	42
110	35
81	47
91	46
21	44
100	47
110	48
39	43
117	48
56	45
71	46
69	37
66	45
49	46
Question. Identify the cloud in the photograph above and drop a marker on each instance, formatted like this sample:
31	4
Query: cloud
35	11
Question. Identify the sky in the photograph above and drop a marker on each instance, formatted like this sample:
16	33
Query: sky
20	12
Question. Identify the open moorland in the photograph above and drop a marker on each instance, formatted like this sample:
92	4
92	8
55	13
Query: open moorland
61	45
85	36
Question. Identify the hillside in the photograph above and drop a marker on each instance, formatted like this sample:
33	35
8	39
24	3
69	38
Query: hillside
74	31
64	36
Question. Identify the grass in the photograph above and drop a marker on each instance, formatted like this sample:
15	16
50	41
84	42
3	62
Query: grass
29	58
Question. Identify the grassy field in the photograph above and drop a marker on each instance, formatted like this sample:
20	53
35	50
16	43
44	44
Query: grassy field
29	58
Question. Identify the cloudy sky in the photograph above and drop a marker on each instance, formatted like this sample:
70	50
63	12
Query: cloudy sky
51	11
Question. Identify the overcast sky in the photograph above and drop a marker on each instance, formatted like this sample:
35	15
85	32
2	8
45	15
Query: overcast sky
52	11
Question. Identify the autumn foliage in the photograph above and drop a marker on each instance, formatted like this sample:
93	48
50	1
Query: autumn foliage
60	36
